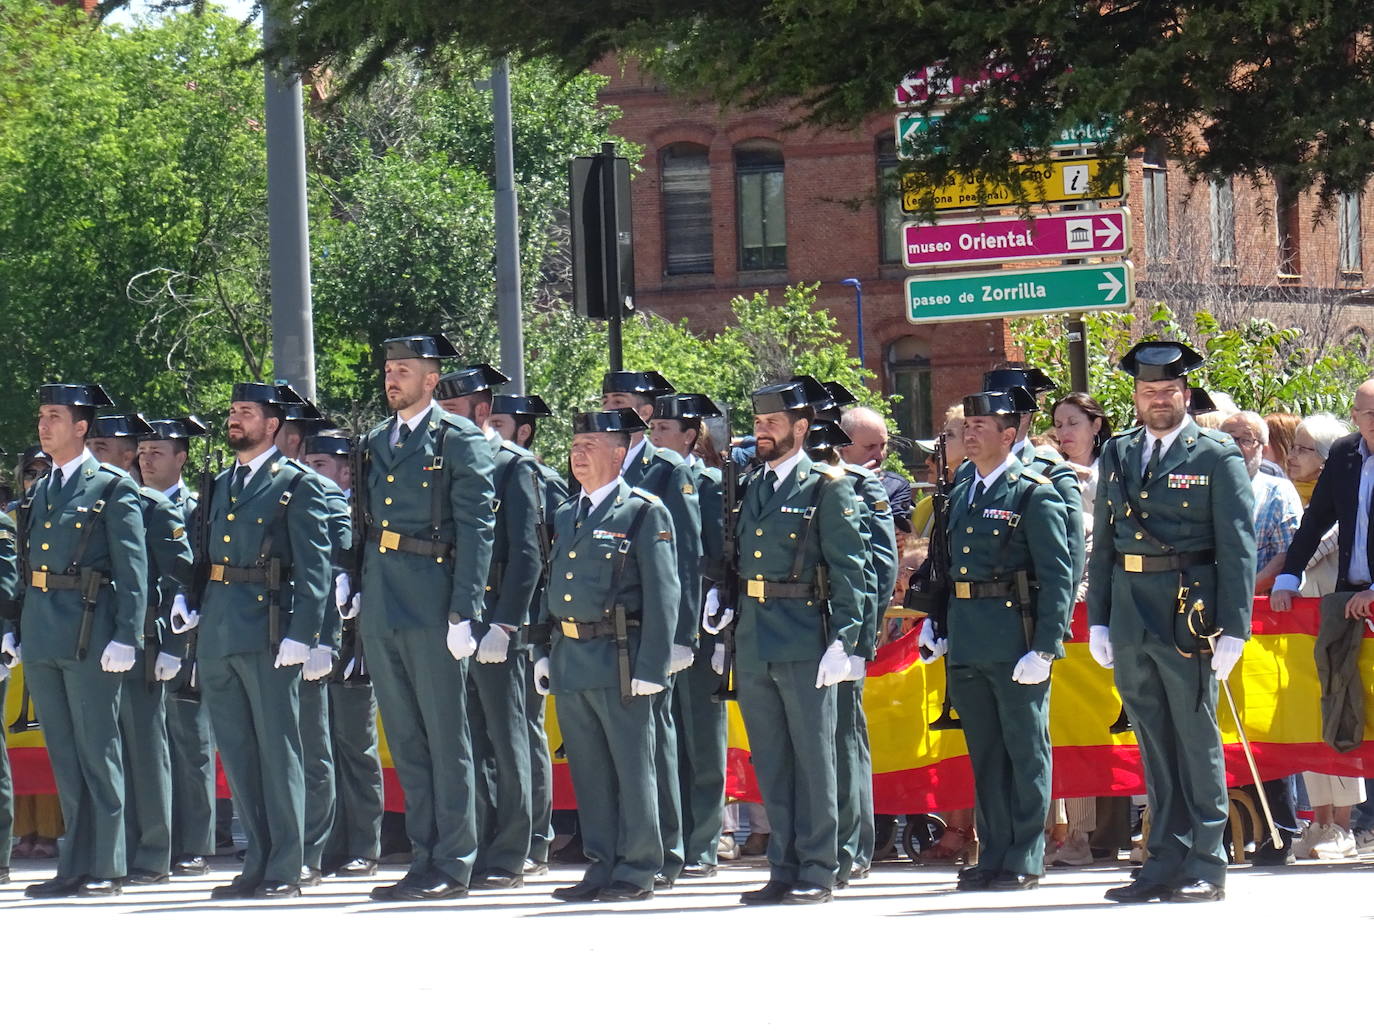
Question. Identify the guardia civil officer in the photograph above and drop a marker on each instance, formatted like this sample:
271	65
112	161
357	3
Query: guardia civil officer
427	506
515	417
143	695
1011	563
496	681
84	576
666	475
612	601
267	585
1169	596
9	615
698	715
162	456
353	837
801	595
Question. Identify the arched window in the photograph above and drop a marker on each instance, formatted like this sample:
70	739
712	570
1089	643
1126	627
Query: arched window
908	364
686	185
762	216
890	215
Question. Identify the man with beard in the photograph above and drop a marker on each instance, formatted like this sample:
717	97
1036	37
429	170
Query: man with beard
1169	593
802	581
259	617
429	526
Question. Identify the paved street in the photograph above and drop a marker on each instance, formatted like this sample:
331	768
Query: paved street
899	946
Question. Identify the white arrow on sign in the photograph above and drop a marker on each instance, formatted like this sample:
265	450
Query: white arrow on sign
1112	286
1111	231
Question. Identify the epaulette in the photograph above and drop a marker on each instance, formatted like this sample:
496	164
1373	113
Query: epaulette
1215	435
116	470
641	492
1034	476
832	471
515	449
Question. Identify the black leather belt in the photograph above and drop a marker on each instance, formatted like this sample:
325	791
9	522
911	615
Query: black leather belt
762	590
238	574
1165	563
46	581
985	589
579	630
389	540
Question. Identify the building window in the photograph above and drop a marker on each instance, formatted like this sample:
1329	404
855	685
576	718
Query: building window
1288	223
1351	258
890	215
908	363
762	215
686	188
1155	174
1223	223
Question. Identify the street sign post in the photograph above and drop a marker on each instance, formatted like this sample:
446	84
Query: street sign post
1061	181
1035	291
994	241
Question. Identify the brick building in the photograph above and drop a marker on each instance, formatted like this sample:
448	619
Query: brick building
734	202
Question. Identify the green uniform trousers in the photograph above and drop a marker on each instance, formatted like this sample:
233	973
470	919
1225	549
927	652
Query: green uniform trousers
317	754
610	748
6	787
666	779
78	705
541	765
701	738
255	710
1180	748
791	725
1006	726
421	691
192	747
501	755
359	792
853	779
147	772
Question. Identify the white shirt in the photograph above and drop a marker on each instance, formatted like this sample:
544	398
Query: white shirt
1358	572
992	477
413	422
632	454
1166	442
254	465
784	468
176	489
599	495
71	468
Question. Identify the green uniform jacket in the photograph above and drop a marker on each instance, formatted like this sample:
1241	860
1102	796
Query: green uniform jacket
340	543
405	590
9	579
769	531
51	618
580	576
516	563
1198	500
667	475
169	566
984	547
711	497
882	550
552	491
234	617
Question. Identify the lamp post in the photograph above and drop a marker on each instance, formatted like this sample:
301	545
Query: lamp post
859	304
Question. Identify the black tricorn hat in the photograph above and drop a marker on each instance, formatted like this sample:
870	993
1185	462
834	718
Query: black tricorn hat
421	345
1152	360
329	442
1034	381
87	395
119	426
175	429
685	406
617	420
648	382
992	402
1200	402
303	411
802	393
531	405
826	435
839	393
267	394
469	381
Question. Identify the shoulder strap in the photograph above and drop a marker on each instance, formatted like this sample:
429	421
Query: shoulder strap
808	526
499	492
86	530
438	491
623	558
1014	524
269	535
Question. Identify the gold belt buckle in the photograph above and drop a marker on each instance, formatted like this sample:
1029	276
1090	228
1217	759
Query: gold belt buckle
962	589
40	579
391	539
217	574
569	628
756	589
1133	563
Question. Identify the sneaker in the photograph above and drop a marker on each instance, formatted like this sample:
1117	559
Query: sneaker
1073	852
1305	843
1364	841
727	848
1330	844
1342	844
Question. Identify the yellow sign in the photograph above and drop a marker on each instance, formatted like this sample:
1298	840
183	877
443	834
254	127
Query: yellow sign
1062	181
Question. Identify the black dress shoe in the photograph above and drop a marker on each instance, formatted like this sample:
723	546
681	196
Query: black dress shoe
238	888
1199	891
533	868
141	877
802	894
358	866
277	890
662	882
56	888
435	888
699	870
859	873
98	888
973	873
975	878
190	866
579	892
1140	890
310	877
620	891
1008	881
497	881
770	894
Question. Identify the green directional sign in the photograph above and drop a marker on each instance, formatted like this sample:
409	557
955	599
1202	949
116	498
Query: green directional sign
1031	291
910	127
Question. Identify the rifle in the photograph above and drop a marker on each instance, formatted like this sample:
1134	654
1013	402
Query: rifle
359	458
928	590
189	691
27	719
728	587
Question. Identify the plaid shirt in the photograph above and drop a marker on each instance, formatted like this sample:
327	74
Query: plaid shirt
1278	511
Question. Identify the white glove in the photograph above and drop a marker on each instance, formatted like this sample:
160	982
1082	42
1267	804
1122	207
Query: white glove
1225	655
319	664
461	643
117	658
930	647
495	645
166	667
644	687
9	651
183	619
292	653
834	665
680	657
857	668
345	600
714	619
718	660
1100	646
1031	669
541	674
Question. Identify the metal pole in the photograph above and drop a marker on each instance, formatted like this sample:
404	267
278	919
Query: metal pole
293	333
508	313
1078	353
859	303
610	255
